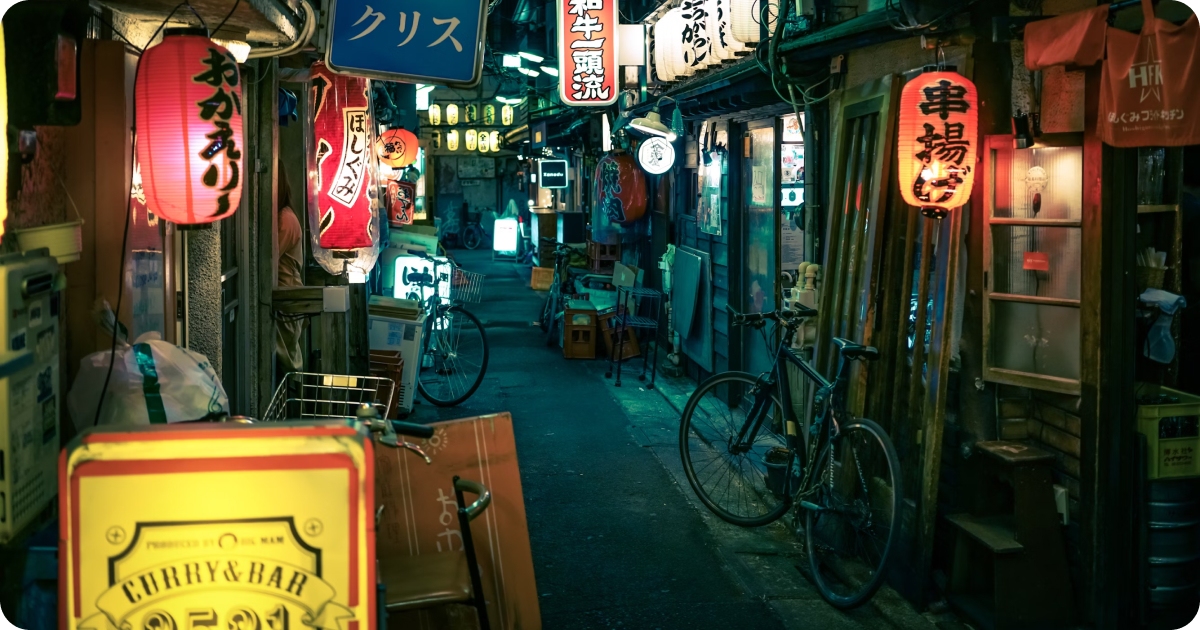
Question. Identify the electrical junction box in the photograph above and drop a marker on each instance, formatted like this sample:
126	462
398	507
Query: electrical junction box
30	399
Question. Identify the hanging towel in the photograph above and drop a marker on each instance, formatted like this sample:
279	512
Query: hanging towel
1160	345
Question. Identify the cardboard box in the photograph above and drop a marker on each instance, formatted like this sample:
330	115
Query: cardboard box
419	518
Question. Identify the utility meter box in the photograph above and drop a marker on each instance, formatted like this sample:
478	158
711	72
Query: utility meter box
30	399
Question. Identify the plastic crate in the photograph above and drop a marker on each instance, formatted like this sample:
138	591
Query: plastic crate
542	278
629	349
1172	432
603	251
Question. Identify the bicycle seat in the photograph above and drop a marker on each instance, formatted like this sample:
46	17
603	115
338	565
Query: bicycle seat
852	350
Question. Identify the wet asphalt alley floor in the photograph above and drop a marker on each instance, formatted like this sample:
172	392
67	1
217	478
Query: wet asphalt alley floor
618	538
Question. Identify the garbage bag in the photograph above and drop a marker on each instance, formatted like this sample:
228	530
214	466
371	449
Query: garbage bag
153	382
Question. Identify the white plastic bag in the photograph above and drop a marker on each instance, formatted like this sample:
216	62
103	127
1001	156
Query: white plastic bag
152	382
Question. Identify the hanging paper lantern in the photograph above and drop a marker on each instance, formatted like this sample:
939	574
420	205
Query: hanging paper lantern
939	123
494	144
744	18
452	114
401	195
342	129
472	114
397	148
620	188
484	141
489	114
452	140
435	139
471	139
663	36
435	114
506	115
189	122
696	44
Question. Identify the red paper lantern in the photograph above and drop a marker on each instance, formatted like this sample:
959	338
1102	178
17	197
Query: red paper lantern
938	130
620	188
342	133
189	128
397	148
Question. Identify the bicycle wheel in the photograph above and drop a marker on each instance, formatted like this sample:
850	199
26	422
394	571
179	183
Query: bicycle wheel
472	237
745	487
554	304
849	537
548	309
455	357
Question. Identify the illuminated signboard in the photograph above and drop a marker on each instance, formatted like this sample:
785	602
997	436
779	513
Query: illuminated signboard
552	173
587	52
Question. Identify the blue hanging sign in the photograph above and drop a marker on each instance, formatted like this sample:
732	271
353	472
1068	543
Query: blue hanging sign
414	41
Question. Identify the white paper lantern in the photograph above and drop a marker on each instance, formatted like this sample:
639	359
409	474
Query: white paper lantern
470	137
484	141
452	140
494	143
663	68
744	18
435	114
697	53
675	36
452	114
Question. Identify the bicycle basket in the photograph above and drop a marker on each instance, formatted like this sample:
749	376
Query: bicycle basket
466	286
308	395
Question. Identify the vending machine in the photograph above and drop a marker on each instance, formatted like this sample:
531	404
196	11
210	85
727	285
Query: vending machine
30	399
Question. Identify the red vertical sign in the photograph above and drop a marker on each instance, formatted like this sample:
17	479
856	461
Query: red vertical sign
587	52
341	129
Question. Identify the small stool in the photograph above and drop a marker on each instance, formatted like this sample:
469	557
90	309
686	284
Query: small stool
1010	563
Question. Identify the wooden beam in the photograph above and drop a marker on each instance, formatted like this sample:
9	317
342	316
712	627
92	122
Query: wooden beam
941	349
262	134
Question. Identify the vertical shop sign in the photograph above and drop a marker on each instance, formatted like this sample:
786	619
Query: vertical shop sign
341	129
939	118
401	196
587	55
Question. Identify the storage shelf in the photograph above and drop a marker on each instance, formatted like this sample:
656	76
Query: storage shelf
635	321
1157	208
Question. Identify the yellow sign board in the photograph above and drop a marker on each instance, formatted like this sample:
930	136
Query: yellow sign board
198	527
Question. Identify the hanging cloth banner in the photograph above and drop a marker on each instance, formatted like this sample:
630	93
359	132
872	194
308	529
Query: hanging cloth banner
1071	39
1150	94
342	130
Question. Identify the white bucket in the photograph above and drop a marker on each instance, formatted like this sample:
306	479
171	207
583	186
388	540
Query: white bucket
65	240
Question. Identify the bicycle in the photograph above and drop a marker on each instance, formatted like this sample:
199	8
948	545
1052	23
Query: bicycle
454	350
471	234
748	461
556	302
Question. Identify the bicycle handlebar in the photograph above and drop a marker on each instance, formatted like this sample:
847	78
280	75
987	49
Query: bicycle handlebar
412	429
783	316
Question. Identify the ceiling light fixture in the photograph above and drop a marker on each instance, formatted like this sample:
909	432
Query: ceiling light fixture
550	71
652	124
511	61
532	57
527	72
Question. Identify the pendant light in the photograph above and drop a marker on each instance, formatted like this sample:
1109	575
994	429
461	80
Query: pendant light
937	133
435	114
189	121
342	135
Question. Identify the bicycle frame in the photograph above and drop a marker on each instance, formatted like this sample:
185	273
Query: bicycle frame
827	392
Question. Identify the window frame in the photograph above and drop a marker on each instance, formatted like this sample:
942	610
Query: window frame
991	372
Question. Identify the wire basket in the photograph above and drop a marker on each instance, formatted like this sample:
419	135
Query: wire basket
466	287
308	395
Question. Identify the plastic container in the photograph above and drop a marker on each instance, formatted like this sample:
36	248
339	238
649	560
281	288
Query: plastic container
64	240
1172	432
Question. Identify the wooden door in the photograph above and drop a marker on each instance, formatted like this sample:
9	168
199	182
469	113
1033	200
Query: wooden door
863	128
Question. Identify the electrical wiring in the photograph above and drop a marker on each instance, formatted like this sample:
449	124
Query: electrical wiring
228	15
112	355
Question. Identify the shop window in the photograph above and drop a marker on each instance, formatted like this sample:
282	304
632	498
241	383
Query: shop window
1032	265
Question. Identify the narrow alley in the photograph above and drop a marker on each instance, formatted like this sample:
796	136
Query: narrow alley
619	539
